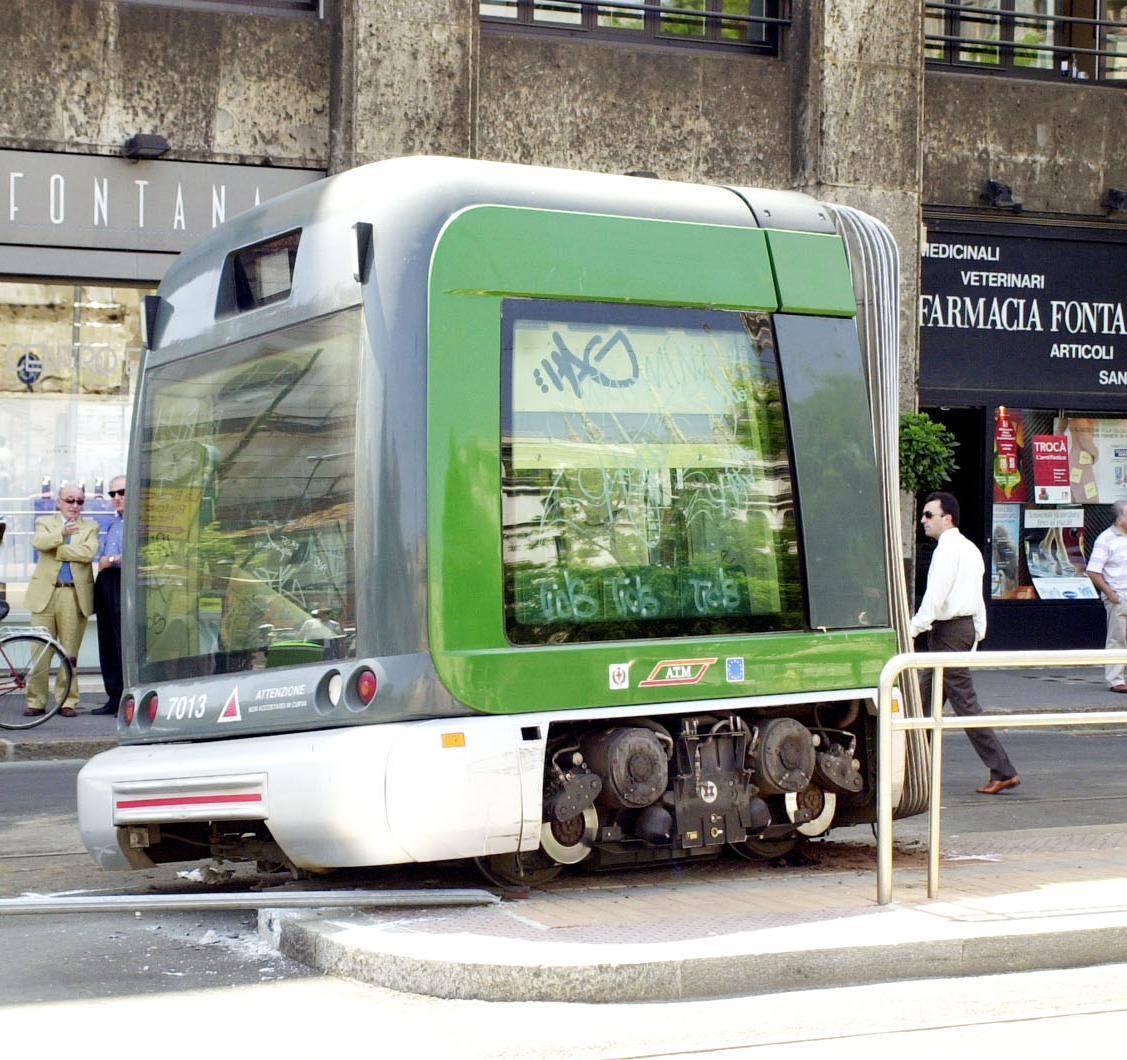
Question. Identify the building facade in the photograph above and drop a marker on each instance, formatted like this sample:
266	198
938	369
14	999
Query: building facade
129	127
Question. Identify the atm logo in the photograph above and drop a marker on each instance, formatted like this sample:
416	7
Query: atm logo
677	672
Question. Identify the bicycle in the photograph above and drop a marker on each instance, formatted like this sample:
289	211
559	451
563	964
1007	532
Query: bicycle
25	652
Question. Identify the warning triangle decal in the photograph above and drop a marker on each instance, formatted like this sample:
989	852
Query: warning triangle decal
230	711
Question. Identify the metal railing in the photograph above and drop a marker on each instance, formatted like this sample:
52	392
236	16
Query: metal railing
937	662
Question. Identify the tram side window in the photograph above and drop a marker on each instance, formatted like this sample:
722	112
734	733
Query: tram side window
646	485
247	460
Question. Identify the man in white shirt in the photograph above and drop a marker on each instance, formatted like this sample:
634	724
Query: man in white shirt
953	614
1107	567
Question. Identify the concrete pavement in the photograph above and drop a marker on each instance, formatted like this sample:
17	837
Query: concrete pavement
57	738
1009	902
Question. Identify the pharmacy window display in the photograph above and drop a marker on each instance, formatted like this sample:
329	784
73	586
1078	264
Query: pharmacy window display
1055	476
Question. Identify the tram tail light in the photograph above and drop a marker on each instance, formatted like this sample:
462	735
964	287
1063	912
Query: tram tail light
366	685
152	707
128	709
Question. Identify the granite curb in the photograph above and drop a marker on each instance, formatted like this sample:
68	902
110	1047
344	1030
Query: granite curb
901	944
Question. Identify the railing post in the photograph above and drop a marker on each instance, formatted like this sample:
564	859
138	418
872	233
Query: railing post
935	787
884	781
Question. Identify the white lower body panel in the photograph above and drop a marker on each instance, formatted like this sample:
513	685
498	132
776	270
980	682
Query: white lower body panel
372	795
368	795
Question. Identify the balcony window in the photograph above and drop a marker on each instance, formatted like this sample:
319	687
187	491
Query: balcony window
748	24
1083	40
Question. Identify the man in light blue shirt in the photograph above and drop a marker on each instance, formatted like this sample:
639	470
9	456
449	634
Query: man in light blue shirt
107	600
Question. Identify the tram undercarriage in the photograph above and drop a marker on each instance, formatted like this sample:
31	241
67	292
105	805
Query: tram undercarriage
661	789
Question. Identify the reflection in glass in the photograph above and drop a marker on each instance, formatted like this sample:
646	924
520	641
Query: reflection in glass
619	17
1115	65
646	484
68	365
558	12
984	29
245	556
1032	30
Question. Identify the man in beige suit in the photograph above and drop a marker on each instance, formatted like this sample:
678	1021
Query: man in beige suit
61	593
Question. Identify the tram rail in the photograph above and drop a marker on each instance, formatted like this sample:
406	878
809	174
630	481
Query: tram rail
167	903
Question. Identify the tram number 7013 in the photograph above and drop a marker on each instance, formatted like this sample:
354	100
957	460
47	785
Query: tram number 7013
181	707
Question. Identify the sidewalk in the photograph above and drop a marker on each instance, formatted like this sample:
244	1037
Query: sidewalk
1049	899
80	737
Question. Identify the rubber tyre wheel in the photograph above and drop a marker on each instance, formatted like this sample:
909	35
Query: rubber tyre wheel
767	849
520	869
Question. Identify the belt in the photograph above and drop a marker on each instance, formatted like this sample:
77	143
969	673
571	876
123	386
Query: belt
64	585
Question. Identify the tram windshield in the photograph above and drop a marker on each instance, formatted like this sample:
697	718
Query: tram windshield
646	482
246	472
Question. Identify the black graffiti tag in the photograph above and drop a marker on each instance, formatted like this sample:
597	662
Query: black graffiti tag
562	366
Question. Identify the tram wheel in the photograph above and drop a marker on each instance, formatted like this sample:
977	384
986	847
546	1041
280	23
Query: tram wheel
530	868
766	849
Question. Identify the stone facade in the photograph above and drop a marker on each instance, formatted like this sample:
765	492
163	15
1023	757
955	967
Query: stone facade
845	112
84	75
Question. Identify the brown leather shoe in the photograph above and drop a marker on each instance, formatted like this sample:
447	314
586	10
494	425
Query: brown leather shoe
1119	688
996	787
34	712
68	712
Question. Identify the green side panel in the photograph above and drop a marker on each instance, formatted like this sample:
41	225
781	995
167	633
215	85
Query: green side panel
488	253
812	273
500	250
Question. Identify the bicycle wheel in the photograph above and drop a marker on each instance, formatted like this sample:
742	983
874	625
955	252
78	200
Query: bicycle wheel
22	658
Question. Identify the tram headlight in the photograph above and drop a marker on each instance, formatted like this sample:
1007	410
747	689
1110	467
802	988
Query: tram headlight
334	688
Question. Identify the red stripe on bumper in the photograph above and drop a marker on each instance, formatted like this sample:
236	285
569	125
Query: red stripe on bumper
185	800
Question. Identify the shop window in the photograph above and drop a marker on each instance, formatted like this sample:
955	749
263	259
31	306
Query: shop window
749	24
1055	476
1079	39
68	365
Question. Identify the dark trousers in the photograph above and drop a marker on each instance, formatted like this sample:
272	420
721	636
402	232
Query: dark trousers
957	634
107	606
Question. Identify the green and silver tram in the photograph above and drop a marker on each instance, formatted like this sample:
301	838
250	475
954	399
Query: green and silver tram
498	512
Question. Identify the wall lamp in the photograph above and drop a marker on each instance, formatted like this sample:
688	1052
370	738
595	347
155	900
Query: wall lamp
144	145
1114	200
1000	196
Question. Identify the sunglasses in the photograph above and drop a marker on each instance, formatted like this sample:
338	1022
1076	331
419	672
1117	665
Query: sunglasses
117	493
932	515
80	501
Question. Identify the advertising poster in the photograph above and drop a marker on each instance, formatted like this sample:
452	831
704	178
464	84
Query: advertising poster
1009	437
1004	564
1051	482
1053	541
1097	458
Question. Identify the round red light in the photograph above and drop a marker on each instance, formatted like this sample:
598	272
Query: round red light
151	708
128	709
366	685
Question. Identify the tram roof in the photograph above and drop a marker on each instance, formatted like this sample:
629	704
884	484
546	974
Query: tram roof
407	201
